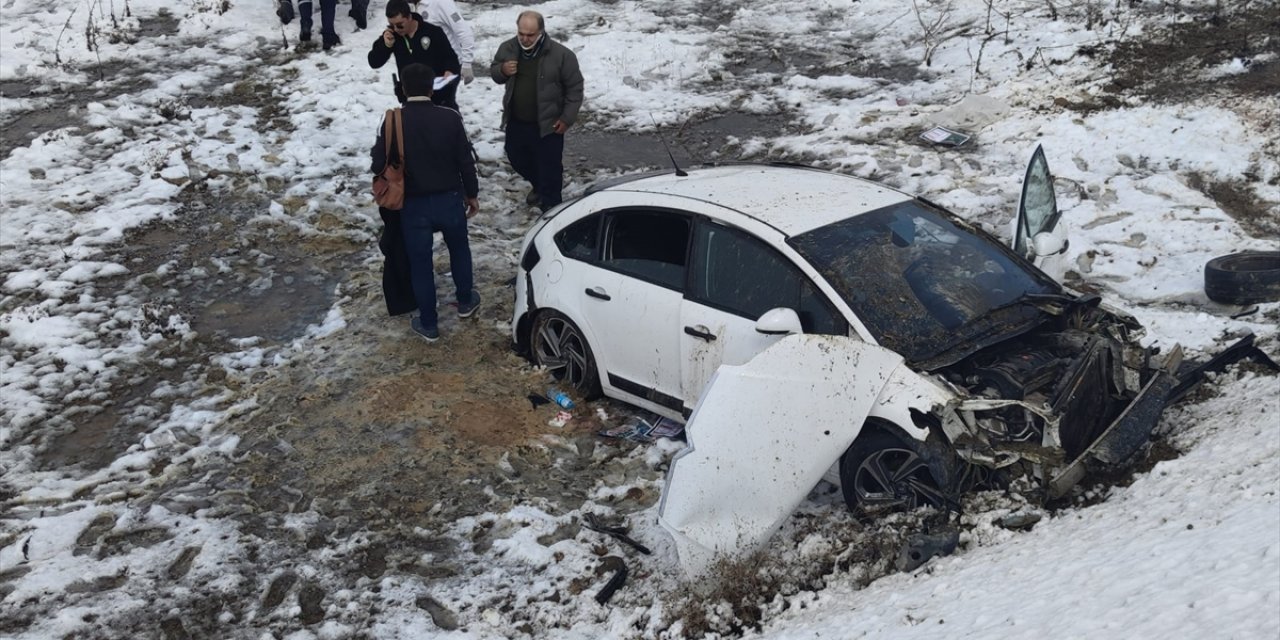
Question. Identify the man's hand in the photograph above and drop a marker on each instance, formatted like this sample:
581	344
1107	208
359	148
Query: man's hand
559	127
473	206
388	38
509	68
468	74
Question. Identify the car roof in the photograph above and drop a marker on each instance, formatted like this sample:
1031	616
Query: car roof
792	199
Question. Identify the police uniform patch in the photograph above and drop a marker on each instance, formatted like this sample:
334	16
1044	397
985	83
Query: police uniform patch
455	17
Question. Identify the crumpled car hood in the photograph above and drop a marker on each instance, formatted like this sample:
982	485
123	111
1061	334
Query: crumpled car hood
761	437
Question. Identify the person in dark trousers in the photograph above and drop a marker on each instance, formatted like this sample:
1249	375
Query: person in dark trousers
413	40
441	192
329	37
542	99
359	12
397	281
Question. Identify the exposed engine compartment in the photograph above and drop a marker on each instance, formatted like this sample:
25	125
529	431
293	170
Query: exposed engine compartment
1053	391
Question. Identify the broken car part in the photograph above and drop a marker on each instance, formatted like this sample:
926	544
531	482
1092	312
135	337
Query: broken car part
923	547
619	577
592	522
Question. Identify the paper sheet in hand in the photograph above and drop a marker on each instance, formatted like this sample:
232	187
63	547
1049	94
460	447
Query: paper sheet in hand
442	82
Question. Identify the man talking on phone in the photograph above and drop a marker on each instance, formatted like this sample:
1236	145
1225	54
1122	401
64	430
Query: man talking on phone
413	40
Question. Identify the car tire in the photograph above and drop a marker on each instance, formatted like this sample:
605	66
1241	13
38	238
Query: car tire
556	343
882	471
1243	278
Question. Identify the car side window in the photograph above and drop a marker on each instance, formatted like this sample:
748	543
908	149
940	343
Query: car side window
581	240
741	274
650	245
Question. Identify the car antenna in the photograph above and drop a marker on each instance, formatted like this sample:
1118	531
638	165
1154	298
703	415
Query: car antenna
679	172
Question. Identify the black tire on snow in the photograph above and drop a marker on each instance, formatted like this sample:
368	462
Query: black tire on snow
1243	278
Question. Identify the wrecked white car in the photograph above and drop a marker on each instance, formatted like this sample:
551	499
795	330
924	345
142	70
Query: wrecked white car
809	323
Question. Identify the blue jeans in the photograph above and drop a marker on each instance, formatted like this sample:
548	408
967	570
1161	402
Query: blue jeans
537	158
420	218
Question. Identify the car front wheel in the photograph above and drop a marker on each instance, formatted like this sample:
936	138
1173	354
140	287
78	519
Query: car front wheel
557	344
884	472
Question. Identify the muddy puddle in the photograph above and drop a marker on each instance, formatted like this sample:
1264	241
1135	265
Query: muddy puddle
59	105
161	24
231	279
235	284
99	436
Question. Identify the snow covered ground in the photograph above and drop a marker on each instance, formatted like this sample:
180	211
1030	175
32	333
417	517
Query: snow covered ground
150	116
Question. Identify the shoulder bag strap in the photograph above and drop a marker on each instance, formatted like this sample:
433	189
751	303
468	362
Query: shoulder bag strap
387	131
400	135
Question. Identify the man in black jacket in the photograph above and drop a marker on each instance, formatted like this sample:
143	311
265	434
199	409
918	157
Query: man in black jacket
440	189
411	39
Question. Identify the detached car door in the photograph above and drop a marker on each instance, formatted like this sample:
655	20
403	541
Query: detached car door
734	278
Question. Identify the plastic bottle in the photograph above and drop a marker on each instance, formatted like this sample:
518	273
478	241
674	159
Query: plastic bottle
559	397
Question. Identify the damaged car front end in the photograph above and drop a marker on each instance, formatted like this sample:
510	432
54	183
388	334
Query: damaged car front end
1076	394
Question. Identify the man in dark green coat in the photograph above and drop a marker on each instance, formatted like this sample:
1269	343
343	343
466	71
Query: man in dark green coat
542	99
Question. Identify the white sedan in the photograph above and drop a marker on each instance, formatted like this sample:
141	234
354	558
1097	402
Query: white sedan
810	323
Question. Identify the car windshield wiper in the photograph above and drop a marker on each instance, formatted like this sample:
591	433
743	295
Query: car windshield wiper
978	332
1038	300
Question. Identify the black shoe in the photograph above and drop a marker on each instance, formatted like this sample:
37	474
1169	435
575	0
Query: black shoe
465	309
305	36
331	42
532	198
430	334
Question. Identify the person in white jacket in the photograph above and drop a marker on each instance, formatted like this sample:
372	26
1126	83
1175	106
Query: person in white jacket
445	14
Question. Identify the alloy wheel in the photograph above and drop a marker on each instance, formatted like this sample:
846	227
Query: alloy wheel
559	346
895	477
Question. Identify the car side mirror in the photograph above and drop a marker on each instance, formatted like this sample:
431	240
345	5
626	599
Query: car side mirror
1048	243
779	322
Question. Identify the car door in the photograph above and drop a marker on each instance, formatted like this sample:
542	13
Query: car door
632	294
735	278
1039	234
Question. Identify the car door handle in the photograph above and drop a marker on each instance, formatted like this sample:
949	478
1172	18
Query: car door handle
598	292
701	332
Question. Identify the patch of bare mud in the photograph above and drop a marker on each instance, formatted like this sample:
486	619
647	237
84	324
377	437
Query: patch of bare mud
1170	64
380	425
1239	201
702	139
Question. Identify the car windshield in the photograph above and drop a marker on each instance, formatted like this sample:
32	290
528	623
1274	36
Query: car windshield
921	283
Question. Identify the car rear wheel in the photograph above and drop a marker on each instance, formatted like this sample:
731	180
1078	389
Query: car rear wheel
884	472
557	344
